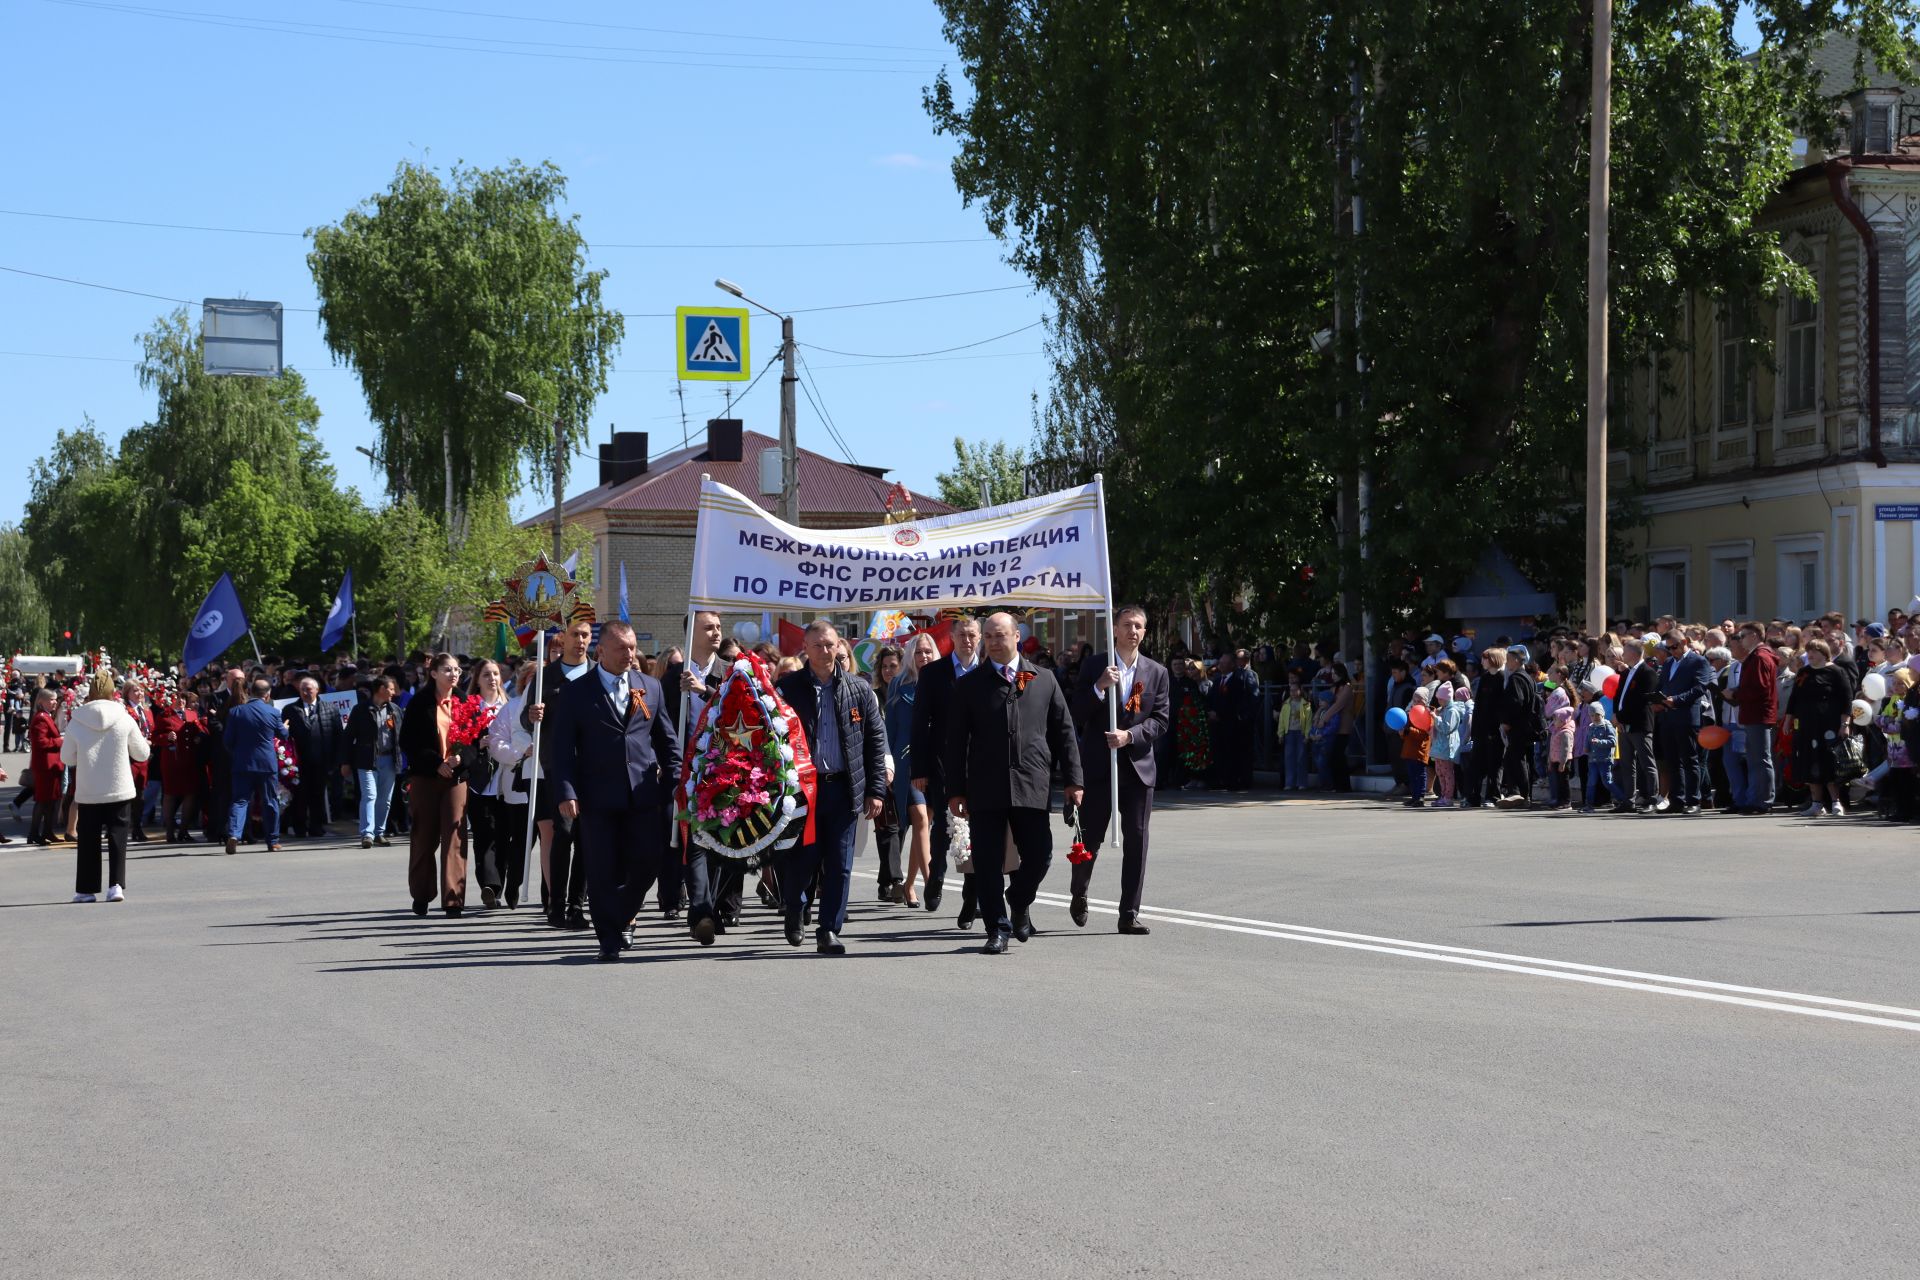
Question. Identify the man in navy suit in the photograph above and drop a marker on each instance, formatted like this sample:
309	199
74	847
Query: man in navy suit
847	737
1144	717
1681	689
615	762
252	728
1008	729
929	744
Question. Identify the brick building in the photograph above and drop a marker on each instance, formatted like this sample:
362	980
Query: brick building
642	515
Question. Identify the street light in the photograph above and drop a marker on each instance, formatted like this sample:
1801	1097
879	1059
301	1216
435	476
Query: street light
789	446
559	465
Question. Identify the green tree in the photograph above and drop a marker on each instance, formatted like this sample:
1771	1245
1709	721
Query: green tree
1164	171
999	466
442	296
24	623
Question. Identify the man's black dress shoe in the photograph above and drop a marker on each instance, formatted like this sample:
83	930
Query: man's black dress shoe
1129	925
1023	926
704	931
886	893
1079	910
608	957
729	920
555	920
626	939
968	914
933	893
830	944
576	919
996	943
795	935
419	906
671	913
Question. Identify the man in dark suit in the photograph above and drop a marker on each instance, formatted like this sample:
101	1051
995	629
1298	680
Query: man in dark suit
1008	729
1681	690
929	745
1490	710
615	760
1523	703
711	884
563	877
1140	685
847	737
314	728
1633	710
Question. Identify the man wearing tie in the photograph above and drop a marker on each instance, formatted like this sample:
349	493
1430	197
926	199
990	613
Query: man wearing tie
848	739
930	706
314	728
1633	701
712	883
1682	688
1008	728
1144	715
615	760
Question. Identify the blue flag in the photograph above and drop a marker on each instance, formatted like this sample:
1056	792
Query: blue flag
623	592
339	615
220	622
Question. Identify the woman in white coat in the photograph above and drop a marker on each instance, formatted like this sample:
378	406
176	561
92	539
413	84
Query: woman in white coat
503	866
101	746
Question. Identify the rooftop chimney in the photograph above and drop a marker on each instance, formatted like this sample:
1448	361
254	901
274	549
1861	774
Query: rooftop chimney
624	458
723	440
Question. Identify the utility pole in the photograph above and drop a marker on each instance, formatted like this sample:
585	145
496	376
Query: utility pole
1598	196
789	428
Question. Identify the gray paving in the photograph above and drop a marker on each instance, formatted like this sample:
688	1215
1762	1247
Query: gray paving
266	1066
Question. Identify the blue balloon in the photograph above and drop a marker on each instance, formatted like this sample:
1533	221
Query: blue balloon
1396	719
1606	707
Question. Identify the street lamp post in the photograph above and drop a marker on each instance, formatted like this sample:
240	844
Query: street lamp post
789	445
1597	198
559	469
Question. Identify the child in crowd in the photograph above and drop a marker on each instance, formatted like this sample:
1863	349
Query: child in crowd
1601	741
1415	746
1585	708
1559	709
1295	719
1448	742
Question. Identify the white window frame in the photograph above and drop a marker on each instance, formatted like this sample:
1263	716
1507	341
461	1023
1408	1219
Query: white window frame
1811	253
1731	558
1788	550
1722	428
1666	560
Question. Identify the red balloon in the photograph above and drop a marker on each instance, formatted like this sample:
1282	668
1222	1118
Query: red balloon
1610	686
1419	717
1714	736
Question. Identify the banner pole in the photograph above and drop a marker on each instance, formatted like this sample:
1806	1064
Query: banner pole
257	659
686	730
533	778
1113	658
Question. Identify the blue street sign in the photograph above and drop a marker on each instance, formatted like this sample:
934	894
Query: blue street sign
711	343
1896	511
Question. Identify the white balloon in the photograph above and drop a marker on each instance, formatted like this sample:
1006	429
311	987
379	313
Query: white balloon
1862	713
747	633
1874	686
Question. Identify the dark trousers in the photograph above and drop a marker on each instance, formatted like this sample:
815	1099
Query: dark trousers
1136	810
1488	752
676	889
1675	730
696	872
439	806
1516	766
829	855
940	842
500	843
307	814
1032	838
887	846
729	879
243	787
97	821
569	885
622	853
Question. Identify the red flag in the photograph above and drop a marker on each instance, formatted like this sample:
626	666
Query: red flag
793	639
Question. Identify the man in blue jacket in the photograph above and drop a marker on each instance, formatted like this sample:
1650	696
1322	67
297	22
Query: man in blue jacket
253	726
1681	690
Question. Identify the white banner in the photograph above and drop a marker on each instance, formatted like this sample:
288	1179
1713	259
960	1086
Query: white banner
1048	552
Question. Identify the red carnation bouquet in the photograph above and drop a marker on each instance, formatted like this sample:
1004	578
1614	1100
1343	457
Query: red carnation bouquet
471	719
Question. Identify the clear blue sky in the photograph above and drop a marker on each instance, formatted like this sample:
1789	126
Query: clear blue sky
283	117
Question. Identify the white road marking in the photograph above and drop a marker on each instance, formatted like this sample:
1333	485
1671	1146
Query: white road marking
1596	975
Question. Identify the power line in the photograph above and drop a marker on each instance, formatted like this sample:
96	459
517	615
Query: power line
888	302
301	235
615	26
915	355
269	26
54	355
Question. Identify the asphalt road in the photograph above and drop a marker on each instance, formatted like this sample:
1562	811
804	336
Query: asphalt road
265	1066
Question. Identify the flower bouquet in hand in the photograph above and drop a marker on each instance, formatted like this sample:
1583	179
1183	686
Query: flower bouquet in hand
470	720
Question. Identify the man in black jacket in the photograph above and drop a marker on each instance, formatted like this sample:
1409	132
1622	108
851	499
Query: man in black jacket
1635	709
1141	686
1490	714
1008	729
563	877
847	737
314	727
930	704
1523	710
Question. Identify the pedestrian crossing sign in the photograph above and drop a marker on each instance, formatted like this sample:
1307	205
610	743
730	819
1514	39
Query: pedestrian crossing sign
712	343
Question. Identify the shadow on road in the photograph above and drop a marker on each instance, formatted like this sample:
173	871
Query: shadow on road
1787	915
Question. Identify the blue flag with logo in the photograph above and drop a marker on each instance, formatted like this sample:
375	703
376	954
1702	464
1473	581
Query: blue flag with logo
339	615
623	592
220	622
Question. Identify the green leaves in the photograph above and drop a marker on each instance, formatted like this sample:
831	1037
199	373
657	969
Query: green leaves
1001	468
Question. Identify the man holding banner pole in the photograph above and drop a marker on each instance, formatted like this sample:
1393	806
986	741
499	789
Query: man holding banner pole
1135	689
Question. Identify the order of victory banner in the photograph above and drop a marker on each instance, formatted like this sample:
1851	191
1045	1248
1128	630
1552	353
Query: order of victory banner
1045	552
